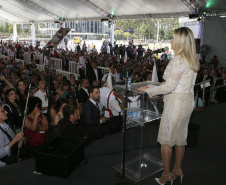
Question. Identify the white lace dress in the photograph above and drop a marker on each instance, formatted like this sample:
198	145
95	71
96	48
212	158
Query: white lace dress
178	102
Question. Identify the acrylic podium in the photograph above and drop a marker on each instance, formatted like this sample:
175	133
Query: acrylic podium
141	110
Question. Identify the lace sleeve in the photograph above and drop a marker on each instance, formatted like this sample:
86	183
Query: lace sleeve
171	82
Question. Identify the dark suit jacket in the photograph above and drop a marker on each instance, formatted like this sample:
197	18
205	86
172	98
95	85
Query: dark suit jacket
207	78
92	76
207	89
92	120
82	96
68	129
221	92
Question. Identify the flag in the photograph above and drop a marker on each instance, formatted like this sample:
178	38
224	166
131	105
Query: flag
154	74
149	62
109	81
125	57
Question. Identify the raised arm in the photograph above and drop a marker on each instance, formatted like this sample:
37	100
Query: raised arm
171	82
7	82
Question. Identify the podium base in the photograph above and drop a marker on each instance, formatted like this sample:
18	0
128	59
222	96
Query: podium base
142	167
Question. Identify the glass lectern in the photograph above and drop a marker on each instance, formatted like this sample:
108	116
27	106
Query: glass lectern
141	110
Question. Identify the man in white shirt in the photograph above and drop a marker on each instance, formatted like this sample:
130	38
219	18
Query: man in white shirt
115	76
36	54
11	53
82	64
43	96
94	50
8	140
46	61
116	106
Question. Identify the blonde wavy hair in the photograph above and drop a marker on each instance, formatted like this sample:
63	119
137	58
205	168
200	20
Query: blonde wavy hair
184	45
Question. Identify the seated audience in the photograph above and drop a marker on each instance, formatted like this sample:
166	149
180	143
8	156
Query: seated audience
36	125
15	115
60	103
9	142
221	89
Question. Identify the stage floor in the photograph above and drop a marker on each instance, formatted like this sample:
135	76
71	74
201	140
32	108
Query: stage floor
203	165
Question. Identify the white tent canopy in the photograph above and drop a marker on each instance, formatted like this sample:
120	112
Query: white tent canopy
40	11
24	11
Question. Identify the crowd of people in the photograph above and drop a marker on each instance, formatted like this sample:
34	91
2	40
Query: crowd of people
74	109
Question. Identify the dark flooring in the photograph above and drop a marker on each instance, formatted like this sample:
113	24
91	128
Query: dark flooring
203	165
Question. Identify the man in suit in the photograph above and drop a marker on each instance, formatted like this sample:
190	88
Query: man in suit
94	74
68	126
221	91
93	121
83	94
205	77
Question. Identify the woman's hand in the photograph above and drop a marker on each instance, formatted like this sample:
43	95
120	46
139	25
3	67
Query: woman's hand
143	88
37	114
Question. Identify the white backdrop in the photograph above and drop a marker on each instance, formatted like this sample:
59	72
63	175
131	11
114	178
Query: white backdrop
214	35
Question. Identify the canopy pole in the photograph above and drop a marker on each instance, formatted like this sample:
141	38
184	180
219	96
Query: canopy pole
112	31
14	33
33	34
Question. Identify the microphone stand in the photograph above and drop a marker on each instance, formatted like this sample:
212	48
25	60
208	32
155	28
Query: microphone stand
49	96
122	175
25	115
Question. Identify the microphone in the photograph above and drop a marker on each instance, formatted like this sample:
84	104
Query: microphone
156	51
160	50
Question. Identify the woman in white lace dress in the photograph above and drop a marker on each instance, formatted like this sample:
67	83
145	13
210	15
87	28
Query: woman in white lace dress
179	76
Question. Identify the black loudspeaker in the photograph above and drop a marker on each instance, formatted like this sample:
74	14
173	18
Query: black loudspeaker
193	16
197	44
60	156
193	135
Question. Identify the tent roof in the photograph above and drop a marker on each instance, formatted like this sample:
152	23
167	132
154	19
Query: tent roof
25	11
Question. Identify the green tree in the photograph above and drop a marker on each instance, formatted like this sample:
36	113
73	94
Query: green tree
1	28
118	34
6	27
10	29
19	30
136	27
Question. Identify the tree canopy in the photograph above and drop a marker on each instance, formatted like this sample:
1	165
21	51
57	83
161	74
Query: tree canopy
140	28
